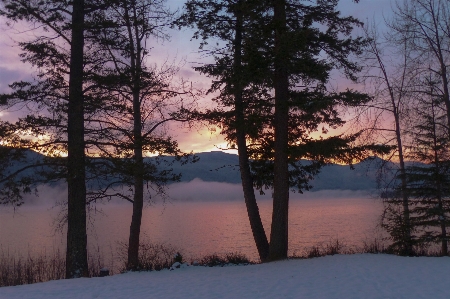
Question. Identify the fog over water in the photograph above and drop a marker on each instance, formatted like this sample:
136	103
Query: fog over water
199	218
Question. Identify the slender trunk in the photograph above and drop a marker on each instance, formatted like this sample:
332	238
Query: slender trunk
443	229
446	98
76	254
138	199
405	200
444	249
442	219
279	230
407	250
138	170
446	95
439	52
259	234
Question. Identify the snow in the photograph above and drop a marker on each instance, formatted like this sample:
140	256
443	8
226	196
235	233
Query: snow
339	276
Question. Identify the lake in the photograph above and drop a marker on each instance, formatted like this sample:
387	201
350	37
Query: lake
198	227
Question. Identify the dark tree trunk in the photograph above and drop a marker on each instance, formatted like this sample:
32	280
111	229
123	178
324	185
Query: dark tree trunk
407	240
256	225
444	242
138	199
76	255
443	66
405	200
446	95
279	230
138	172
437	174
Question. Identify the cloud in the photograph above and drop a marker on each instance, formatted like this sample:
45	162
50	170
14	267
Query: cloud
179	47
196	139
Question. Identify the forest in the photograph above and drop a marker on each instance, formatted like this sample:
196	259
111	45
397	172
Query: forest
99	103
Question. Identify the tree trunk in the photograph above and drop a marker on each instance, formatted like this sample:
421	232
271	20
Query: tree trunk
279	230
76	254
407	246
405	200
138	170
437	174
446	95
256	225
442	220
138	199
439	52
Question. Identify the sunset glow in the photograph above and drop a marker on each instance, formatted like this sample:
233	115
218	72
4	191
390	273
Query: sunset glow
180	50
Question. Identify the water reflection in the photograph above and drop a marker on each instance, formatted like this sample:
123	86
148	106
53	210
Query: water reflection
198	228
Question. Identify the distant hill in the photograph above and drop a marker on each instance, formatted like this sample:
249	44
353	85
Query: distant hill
211	167
223	167
22	158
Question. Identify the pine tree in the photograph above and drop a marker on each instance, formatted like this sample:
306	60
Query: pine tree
58	107
272	85
238	101
428	183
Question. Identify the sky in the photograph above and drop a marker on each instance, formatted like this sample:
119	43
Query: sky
180	49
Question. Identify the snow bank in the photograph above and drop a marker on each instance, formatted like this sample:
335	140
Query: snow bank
340	276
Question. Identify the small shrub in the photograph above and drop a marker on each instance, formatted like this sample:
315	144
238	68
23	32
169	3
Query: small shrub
376	246
334	247
96	263
178	258
237	258
17	270
314	252
213	260
151	256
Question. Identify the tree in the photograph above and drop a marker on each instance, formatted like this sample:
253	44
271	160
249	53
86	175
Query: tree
59	106
426	25
281	75
428	184
300	57
76	255
279	231
230	21
141	100
417	44
392	88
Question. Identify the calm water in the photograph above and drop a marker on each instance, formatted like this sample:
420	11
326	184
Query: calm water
197	228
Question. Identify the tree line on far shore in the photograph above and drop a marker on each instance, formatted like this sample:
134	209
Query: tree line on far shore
99	104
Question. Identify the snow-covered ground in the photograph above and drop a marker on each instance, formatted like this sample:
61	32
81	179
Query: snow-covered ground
361	276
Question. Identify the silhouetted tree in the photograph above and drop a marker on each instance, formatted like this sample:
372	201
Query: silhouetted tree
271	71
232	22
425	25
429	183
392	82
141	99
58	100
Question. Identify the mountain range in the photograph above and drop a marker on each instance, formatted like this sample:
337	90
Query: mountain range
223	167
219	166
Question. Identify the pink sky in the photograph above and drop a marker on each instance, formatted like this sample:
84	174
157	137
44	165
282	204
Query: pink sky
180	48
